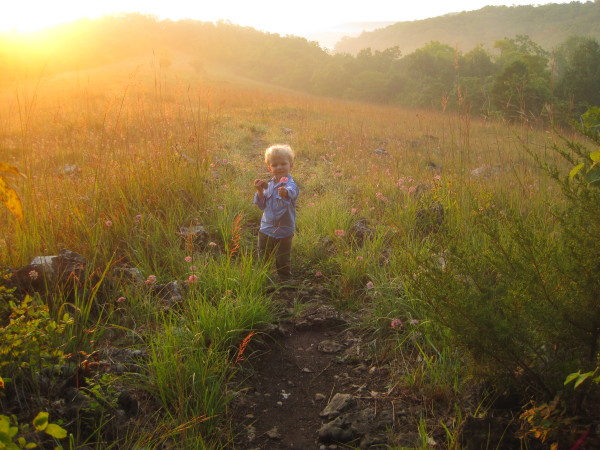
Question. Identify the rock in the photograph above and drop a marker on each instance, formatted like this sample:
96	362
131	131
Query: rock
171	293
68	170
361	230
381	151
128	403
338	404
338	430
273	433
328	346
434	167
485	171
50	272
319	316
251	433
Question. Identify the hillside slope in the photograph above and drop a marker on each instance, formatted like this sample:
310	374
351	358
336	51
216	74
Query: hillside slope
548	25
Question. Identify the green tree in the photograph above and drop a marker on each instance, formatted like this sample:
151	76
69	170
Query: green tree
578	73
521	90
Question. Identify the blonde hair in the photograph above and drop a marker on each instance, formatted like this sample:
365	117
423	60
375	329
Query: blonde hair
279	150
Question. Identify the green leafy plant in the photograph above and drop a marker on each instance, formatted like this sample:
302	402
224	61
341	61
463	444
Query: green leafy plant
29	336
13	435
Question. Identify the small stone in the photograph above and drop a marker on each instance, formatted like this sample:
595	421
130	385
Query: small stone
274	434
328	346
306	370
251	433
249	416
279	403
338	403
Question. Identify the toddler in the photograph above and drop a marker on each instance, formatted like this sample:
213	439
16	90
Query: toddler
277	200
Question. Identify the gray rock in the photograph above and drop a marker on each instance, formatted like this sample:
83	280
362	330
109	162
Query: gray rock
328	346
338	404
274	434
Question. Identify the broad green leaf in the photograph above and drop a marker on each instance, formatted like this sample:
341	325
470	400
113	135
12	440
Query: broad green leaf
31	445
12	431
582	378
571	377
593	176
56	431
4	431
41	421
575	170
595	156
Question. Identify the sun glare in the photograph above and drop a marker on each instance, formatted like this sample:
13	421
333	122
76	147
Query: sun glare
25	18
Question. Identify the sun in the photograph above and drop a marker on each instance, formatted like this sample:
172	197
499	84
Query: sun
27	16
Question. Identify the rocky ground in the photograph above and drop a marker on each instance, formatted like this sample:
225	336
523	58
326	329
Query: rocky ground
312	384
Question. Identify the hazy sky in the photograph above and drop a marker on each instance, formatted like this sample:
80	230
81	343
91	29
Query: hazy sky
276	16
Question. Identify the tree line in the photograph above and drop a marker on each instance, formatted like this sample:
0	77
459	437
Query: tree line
517	79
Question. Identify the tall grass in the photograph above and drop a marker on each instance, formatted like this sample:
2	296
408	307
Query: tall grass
115	166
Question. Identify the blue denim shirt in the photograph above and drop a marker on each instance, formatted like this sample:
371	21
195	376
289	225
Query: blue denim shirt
279	214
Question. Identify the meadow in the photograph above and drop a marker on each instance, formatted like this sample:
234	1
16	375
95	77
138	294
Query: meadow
502	293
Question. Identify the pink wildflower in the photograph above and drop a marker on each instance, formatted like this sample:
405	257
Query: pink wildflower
33	274
121	299
370	285
108	224
414	322
411	189
212	244
318	274
151	280
354	210
437	177
359	258
221	207
188	259
397	323
138	218
381	197
192	279
193	268
340	233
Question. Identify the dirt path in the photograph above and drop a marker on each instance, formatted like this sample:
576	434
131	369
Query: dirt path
312	385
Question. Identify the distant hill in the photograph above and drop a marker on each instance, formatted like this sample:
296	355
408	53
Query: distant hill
327	38
548	25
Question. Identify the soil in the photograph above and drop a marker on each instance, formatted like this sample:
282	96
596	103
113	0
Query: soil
298	369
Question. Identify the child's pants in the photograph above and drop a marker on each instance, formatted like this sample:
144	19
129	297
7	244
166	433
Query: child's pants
280	248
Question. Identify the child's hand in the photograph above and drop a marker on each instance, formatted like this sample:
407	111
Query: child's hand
260	185
282	192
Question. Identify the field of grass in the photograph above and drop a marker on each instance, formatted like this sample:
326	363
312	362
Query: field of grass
117	160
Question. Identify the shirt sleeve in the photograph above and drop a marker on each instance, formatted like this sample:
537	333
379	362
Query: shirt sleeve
293	191
260	203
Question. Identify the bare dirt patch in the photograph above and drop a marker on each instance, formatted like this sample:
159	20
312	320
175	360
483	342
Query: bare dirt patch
312	385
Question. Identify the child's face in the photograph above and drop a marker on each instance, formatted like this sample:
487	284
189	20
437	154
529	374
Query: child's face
280	166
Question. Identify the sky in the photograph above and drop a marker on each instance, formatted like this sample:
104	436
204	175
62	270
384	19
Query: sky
300	17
